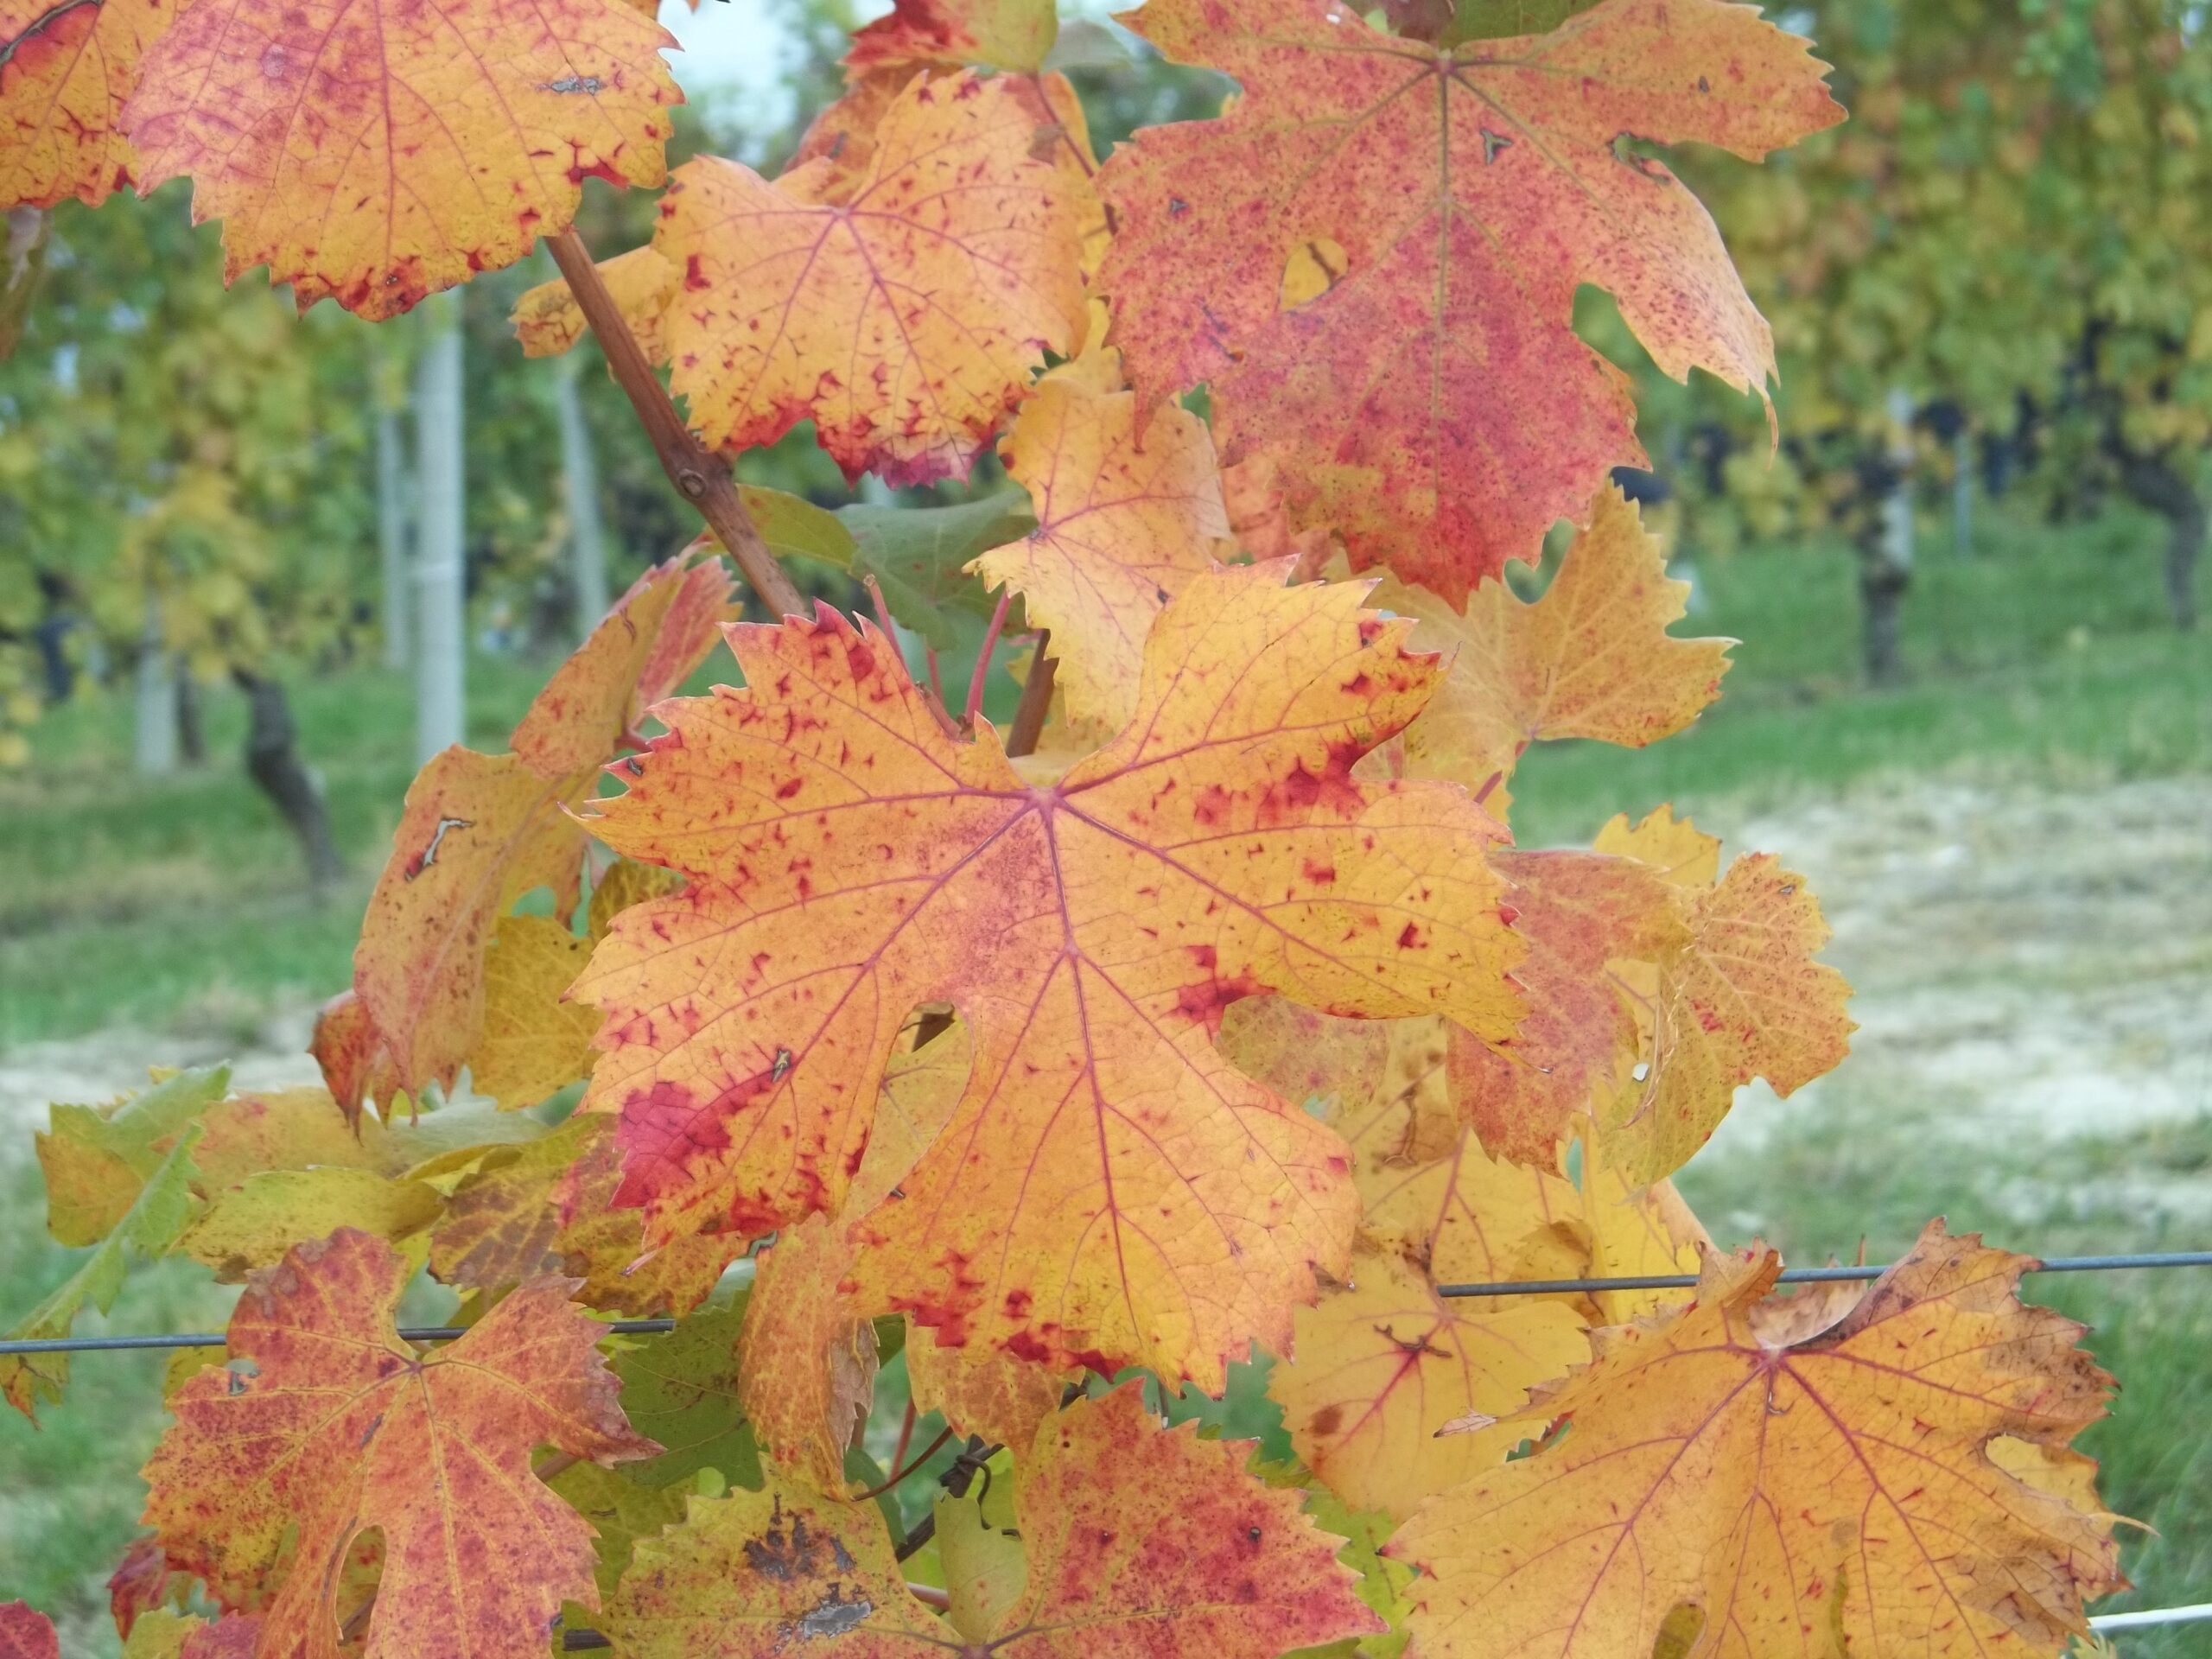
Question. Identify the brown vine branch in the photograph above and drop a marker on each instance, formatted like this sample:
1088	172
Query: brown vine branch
703	481
1036	698
928	1452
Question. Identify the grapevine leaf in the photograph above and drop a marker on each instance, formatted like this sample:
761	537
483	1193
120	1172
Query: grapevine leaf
792	527
548	320
1385	1363
1796	1489
533	1043
283	1129
97	1160
984	1391
66	70
1591	658
477	832
1580	913
1124	519
904	317
920	557
1012	34
621	1510
681	1390
140	1583
1397	1091
254	1225
1142	1544
806	1363
1740	997
1681	853
324	1425
623	883
150	1227
480	830
25	1634
921	1086
176	1636
543	1208
1635	1235
646	647
1372	257
377	154
985	1567
1108	1190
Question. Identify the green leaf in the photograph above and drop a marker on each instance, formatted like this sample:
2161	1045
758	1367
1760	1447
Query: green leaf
150	1227
97	1161
792	526
681	1389
919	556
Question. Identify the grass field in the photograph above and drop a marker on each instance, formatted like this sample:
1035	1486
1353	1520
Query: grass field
178	908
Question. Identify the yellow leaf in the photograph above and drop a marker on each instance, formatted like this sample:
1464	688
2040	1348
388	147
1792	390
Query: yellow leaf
533	1043
1674	846
1741	998
981	1390
905	318
1127	512
376	152
1142	1544
1806	1493
255	1224
1591	658
548	321
1383	1366
806	1359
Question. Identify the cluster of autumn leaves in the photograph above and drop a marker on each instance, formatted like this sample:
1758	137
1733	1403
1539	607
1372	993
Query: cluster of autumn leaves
1227	1017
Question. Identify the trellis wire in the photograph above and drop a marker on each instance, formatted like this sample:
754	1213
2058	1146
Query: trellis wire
1820	1275
2150	1616
1507	1287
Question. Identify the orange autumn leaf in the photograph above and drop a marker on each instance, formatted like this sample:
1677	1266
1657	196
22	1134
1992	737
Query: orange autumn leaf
1591	658
1142	1544
903	312
377	153
326	1426
1739	997
1109	1190
478	831
26	1633
67	69
806	1359
1127	513
1384	1364
1372	257
1796	1486
548	321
